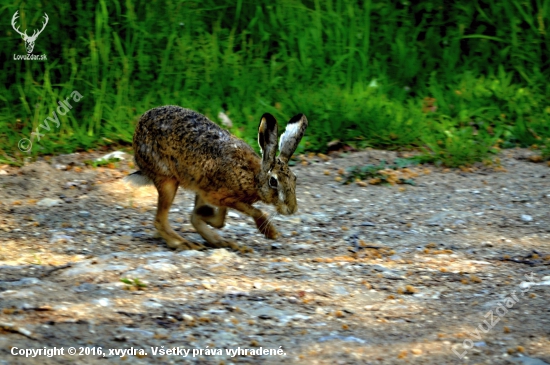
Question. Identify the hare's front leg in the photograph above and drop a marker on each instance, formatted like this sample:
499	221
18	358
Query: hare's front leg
167	189
204	213
262	220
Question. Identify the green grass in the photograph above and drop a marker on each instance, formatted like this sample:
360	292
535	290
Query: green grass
371	171
360	71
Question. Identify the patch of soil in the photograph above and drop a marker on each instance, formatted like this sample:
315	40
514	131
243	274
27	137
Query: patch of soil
455	269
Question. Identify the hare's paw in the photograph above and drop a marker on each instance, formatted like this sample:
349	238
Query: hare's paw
223	243
176	242
270	232
186	245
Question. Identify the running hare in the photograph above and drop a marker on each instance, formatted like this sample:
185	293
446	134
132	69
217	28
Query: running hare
175	146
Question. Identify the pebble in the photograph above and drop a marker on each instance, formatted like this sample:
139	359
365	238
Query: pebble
292	300
85	287
372	307
103	302
115	154
341	338
340	290
138	273
138	331
221	254
151	304
526	218
192	253
58	237
86	268
48	202
233	214
23	281
161	267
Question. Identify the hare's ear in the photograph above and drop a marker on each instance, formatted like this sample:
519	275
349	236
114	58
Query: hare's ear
291	137
267	139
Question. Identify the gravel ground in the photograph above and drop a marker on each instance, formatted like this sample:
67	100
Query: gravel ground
452	270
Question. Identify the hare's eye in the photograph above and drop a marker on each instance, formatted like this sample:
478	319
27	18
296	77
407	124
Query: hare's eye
273	182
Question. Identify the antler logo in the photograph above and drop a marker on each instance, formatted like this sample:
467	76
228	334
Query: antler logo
29	41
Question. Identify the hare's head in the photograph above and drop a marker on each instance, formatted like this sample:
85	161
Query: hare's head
277	183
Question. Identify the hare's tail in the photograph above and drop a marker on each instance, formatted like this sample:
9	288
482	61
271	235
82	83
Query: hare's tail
138	179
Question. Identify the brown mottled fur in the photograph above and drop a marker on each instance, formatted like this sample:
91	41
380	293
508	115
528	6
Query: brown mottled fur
179	147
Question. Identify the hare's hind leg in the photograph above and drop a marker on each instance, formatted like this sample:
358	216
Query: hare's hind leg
203	214
167	191
214	217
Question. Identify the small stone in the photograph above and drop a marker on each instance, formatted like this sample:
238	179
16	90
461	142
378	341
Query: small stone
192	253
113	155
368	224
187	318
161	267
85	287
60	238
103	302
84	213
221	254
25	281
526	218
416	351
342	338
152	304
340	290
48	202
372	307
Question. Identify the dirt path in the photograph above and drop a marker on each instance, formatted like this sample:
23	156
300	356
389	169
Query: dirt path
362	275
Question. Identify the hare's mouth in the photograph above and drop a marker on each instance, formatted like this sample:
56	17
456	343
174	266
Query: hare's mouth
286	210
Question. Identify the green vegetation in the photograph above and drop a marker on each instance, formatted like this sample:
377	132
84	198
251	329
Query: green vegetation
133	284
102	162
382	173
454	79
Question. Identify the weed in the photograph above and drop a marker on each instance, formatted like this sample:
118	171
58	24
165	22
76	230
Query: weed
102	162
133	284
382	173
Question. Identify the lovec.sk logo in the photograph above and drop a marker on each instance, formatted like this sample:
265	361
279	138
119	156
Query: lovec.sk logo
29	40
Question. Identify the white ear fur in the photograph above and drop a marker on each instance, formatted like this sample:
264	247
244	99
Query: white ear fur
290	132
291	137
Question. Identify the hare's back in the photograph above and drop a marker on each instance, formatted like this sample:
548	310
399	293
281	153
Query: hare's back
174	127
169	136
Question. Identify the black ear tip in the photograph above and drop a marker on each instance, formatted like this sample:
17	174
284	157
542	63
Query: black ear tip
270	120
296	118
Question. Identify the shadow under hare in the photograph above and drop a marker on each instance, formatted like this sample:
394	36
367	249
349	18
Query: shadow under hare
175	147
